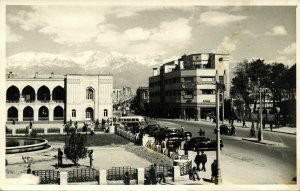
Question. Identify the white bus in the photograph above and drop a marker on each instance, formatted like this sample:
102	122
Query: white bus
127	120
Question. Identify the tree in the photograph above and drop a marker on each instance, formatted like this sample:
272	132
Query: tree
75	147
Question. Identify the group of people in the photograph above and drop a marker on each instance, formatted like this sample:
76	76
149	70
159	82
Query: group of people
154	175
202	160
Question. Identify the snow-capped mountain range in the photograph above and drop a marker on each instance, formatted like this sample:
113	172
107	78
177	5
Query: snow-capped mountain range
128	70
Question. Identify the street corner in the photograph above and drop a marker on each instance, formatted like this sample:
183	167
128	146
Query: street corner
264	142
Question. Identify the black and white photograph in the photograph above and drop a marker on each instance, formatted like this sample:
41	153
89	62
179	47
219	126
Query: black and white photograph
158	95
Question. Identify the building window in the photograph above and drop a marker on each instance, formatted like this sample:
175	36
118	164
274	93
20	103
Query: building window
73	113
105	113
89	94
207	91
189	79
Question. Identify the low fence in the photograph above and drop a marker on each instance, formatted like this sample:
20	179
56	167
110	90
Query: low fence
165	170
47	176
118	173
83	175
185	168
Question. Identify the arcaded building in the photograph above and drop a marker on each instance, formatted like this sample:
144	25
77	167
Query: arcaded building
186	87
54	98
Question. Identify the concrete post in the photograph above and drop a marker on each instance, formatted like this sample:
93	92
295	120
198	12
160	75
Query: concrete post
51	117
176	175
102	177
111	129
13	131
61	130
140	176
20	115
145	139
63	178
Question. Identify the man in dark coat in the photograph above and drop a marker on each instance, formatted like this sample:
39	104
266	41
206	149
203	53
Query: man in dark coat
198	161
214	170
153	175
59	157
203	160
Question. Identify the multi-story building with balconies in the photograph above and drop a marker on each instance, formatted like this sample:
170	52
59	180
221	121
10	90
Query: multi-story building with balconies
186	87
58	98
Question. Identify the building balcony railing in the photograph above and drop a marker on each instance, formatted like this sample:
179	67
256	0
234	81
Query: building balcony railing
43	118
58	118
27	118
58	101
35	101
205	82
12	101
12	119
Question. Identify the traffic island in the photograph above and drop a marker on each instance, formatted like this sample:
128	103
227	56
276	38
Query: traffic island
264	142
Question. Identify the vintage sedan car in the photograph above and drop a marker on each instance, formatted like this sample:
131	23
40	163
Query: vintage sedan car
224	129
202	144
150	129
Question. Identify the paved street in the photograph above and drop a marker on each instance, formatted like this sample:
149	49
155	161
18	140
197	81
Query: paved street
247	162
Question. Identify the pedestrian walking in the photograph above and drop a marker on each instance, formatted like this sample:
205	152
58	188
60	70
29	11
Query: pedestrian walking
91	156
153	175
126	179
161	177
92	129
214	170
193	174
59	157
186	152
198	161
203	161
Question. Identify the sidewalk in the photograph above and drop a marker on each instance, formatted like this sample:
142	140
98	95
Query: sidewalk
284	130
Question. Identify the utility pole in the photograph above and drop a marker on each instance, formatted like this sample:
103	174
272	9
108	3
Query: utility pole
260	130
219	177
223	98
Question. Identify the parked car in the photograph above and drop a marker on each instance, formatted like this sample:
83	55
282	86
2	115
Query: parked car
224	129
202	144
150	129
173	141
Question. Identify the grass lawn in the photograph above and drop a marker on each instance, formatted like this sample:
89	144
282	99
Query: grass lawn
92	140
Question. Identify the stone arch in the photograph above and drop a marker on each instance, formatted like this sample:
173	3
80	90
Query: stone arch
43	113
58	113
28	114
28	93
58	94
12	94
12	114
43	94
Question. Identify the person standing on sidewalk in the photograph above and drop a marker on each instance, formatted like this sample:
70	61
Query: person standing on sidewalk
198	161
91	156
214	170
203	160
59	157
126	179
153	175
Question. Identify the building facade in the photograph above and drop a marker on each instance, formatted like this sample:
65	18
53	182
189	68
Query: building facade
186	87
58	98
142	100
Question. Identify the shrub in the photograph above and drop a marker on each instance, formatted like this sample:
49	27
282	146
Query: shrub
8	131
53	130
22	131
75	147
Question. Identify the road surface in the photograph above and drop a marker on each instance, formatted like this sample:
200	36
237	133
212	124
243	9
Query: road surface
244	162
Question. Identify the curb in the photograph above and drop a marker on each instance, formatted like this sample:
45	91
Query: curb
264	129
280	132
263	143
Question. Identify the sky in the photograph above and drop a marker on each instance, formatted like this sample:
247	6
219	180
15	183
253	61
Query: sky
244	32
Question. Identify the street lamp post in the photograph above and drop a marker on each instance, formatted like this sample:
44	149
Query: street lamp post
260	130
218	86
